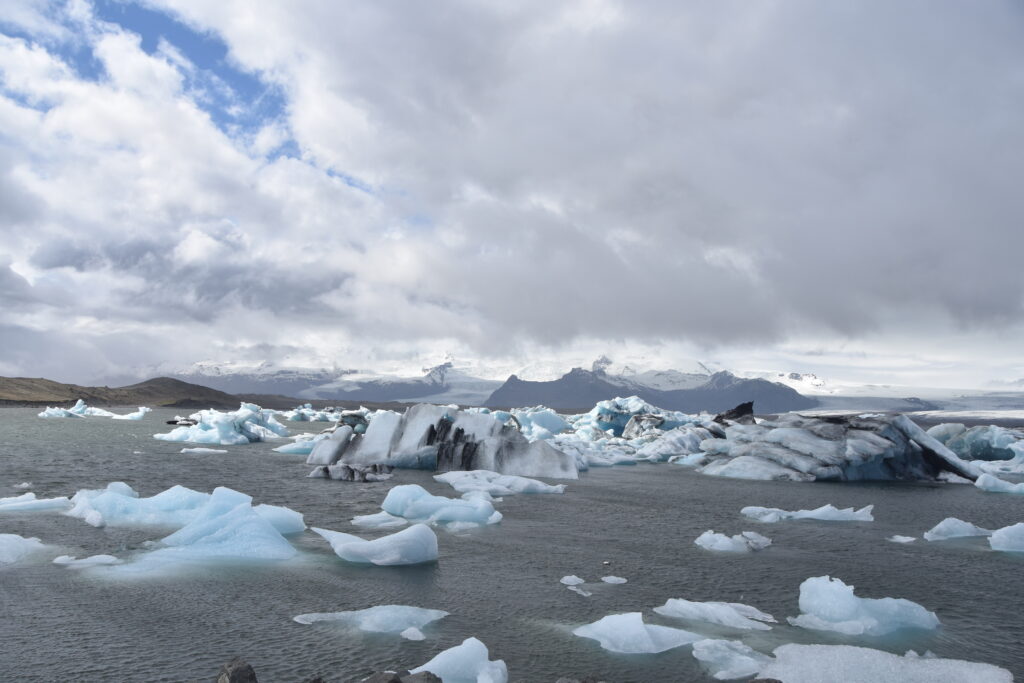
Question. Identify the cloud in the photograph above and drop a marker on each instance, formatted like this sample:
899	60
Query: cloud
732	176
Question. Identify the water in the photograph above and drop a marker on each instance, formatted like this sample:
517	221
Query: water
499	583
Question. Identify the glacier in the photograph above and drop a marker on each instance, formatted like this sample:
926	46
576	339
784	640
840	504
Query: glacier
828	604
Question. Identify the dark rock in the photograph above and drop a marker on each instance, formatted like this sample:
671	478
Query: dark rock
383	677
236	671
743	414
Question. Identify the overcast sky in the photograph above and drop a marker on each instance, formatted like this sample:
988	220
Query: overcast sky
810	185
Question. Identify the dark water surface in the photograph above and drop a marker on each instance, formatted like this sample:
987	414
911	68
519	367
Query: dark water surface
499	583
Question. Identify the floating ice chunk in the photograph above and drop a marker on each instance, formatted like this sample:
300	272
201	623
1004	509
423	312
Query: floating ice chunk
571	580
819	663
80	409
92	561
580	591
540	422
381	520
203	450
828	513
1008	539
613	579
628	634
285	520
740	543
307	413
830	605
732	614
14	548
495	484
987	482
901	539
985	442
951	527
729	659
466	663
248	424
414	545
414	503
412	633
751	467
27	502
137	415
329	451
379	619
23	485
119	505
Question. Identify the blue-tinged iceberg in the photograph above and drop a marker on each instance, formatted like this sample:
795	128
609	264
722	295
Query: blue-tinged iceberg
80	409
248	424
466	663
828	604
415	545
628	634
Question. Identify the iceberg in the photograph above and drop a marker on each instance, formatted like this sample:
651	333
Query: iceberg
828	604
613	579
137	415
827	513
14	548
901	539
466	663
951	527
328	451
818	663
119	505
414	545
80	409
495	484
91	561
379	619
731	614
744	542
1008	539
628	634
307	413
987	482
203	450
414	503
539	423
27	502
381	520
248	424
988	442
729	659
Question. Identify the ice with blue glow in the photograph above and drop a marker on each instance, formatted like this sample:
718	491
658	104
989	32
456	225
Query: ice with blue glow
828	604
466	663
1008	539
307	413
539	422
495	484
414	545
27	502
731	614
415	503
983	442
628	634
951	527
14	548
827	513
248	424
379	619
80	409
993	484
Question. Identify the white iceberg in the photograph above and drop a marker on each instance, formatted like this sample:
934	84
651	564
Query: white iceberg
828	513
379	619
628	634
951	527
415	503
901	539
744	542
1008	539
466	663
413	633
731	614
137	415
987	482
826	663
613	579
495	484
414	545
381	520
829	605
203	450
571	580
14	548
729	659
27	502
80	409
248	424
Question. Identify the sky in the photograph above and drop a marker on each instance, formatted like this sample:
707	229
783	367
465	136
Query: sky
813	186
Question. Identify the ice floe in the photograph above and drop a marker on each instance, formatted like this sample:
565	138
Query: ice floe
628	634
987	482
248	424
827	513
414	545
731	614
495	484
901	539
203	450
91	561
828	604
984	442
415	503
951	527
14	548
307	413
794	663
571	580
80	409
613	579
380	619
1008	539
27	502
743	542
466	663
729	659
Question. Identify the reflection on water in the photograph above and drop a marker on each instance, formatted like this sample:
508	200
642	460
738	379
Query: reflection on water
500	583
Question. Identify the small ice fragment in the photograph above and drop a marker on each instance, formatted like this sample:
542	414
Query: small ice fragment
577	589
732	614
23	485
902	539
203	450
379	619
14	548
92	561
27	502
828	604
740	543
412	633
729	659
381	520
613	579
828	513
466	663
571	580
628	634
